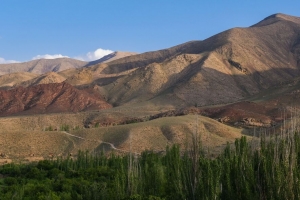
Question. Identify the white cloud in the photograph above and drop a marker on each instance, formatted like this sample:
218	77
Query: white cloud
3	61
48	56
90	56
95	55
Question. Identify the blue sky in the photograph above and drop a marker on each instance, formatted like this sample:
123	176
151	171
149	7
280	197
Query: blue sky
77	28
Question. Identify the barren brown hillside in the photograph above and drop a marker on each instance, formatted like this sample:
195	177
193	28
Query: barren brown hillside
41	66
48	98
33	143
10	80
227	67
242	77
50	77
268	108
224	68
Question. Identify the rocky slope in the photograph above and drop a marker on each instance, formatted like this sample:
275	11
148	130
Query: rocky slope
10	80
224	68
211	78
48	98
41	66
50	77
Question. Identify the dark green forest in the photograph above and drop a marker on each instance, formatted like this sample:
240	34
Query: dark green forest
270	170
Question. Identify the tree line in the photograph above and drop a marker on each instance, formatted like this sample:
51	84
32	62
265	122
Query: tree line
271	170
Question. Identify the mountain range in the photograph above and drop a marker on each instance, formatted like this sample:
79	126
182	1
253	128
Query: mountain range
238	79
225	68
41	66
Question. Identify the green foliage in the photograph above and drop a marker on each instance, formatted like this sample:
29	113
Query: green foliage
76	128
50	128
271	171
64	127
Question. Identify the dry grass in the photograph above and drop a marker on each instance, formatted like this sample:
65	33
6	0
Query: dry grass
157	134
151	135
10	80
24	144
47	78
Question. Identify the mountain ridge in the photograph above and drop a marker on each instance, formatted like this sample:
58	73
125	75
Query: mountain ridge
111	57
240	78
248	60
41	66
277	17
223	68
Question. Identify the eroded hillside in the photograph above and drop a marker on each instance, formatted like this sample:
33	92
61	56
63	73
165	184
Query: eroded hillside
48	98
242	77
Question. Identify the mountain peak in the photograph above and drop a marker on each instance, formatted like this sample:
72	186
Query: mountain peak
284	17
111	57
277	17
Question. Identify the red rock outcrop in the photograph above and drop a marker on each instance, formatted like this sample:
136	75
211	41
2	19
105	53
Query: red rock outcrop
48	98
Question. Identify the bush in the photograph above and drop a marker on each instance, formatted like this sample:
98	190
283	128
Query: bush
64	127
50	128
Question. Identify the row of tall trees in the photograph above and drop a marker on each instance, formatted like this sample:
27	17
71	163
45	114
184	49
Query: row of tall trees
269	171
